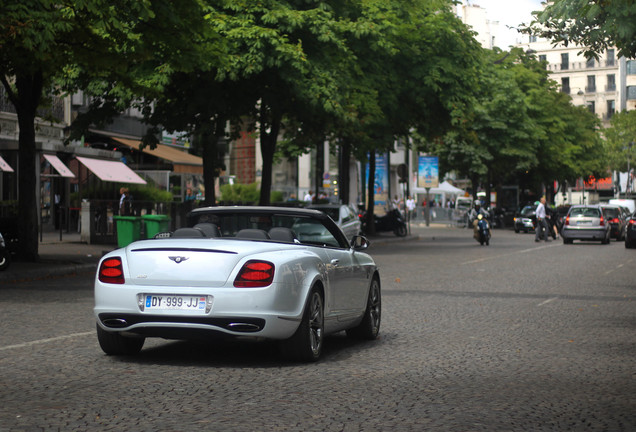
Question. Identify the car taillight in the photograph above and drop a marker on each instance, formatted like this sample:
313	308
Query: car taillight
615	220
111	271
255	274
567	220
602	221
632	221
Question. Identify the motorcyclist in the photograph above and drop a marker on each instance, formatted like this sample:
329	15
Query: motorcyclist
476	211
481	224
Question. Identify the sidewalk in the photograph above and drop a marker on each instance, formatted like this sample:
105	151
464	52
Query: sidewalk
70	255
57	258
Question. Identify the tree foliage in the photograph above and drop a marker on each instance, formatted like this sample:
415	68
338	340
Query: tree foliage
621	140
48	45
593	24
520	129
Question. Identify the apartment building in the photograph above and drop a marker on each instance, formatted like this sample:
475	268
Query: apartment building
605	85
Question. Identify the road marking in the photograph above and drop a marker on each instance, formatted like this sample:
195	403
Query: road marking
548	301
505	255
43	341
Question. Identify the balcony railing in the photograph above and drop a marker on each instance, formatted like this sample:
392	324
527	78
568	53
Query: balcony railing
53	112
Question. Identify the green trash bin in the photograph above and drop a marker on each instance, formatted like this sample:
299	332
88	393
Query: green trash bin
155	224
128	229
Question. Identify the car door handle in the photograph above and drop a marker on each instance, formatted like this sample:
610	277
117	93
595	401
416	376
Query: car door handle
335	262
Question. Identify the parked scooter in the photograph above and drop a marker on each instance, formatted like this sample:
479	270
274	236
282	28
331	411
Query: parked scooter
482	230
5	255
392	221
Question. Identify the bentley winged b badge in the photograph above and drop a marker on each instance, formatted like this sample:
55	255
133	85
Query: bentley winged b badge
178	259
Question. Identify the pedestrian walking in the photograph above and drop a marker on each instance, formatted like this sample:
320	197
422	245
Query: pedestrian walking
125	202
410	207
542	223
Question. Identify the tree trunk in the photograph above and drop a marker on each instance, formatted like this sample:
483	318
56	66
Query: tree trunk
268	148
208	144
371	191
319	167
26	102
344	179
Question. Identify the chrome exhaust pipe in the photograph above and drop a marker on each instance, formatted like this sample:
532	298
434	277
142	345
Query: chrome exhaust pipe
115	322
243	327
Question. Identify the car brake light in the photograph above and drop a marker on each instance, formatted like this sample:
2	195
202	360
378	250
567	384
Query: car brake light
111	271
255	274
567	220
615	220
632	221
602	221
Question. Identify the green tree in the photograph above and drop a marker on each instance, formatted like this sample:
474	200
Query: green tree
521	129
47	45
620	137
593	24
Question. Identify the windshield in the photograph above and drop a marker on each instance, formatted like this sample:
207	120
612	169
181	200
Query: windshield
528	211
611	212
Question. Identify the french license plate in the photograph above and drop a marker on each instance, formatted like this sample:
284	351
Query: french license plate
175	302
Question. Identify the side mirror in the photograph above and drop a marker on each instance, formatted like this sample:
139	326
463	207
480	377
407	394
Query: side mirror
359	243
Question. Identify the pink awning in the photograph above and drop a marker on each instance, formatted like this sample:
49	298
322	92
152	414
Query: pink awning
112	171
4	166
59	166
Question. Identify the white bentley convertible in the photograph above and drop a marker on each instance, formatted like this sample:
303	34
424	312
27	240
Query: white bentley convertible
284	274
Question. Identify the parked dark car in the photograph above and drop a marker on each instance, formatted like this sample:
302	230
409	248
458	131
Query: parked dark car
561	213
615	217
630	232
526	219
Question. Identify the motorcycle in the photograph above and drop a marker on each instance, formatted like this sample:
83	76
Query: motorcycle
392	221
5	255
482	230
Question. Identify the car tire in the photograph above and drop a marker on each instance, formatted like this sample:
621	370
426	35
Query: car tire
306	343
113	343
628	244
5	259
606	240
369	327
567	241
517	230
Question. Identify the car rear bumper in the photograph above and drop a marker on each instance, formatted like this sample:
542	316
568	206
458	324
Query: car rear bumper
578	233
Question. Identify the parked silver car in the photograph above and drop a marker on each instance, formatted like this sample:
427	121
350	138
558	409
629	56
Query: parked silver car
344	216
585	222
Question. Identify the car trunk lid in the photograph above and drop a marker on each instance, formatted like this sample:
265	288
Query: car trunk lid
198	263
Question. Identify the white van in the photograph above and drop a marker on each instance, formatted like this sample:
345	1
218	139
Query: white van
629	203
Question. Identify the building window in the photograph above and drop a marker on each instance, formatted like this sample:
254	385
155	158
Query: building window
565	85
591	107
611	82
565	61
611	109
543	58
589	63
631	92
591	84
610	57
631	67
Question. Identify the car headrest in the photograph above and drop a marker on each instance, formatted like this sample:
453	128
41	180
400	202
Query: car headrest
209	229
255	234
188	233
282	234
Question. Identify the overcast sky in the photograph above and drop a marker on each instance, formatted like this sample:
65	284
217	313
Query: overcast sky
508	13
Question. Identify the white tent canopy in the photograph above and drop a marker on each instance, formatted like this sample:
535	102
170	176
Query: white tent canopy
445	188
